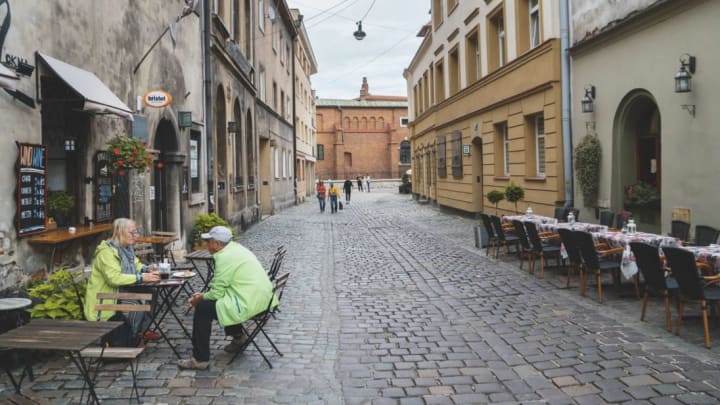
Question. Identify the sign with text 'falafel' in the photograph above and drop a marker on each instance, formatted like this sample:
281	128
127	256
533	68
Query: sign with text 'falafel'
157	98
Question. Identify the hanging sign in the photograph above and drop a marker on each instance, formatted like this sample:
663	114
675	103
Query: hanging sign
157	98
31	189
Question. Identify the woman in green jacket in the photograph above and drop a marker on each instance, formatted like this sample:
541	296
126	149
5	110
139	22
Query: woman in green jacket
115	265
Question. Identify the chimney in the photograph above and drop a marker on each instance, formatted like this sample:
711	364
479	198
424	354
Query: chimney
364	89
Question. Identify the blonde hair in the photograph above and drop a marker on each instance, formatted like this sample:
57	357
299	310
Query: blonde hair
121	226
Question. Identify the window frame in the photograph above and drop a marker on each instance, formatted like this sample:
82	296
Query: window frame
404	121
536	11
456	154
441	156
539	121
276	155
261	15
506	150
320	151
405	155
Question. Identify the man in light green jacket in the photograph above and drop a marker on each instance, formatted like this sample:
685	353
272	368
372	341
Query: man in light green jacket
240	289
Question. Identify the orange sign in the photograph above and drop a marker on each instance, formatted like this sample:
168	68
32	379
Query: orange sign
157	98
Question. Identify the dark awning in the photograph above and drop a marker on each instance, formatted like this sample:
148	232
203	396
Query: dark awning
8	78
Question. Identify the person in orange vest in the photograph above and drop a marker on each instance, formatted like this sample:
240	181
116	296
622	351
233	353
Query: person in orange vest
320	189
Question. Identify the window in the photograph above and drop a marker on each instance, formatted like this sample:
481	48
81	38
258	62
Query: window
261	15
442	164
439	82
451	5
275	96
456	150
250	150
540	145
273	33
238	169
287	54
261	85
195	143
281	43
276	155
282	103
437	15
496	40
534	23
506	151
454	71
405	152
404	121
320	152
284	163
501	40
248	29
472	58
501	150
235	23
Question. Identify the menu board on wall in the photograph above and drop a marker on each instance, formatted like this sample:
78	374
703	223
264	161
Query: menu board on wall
31	189
103	189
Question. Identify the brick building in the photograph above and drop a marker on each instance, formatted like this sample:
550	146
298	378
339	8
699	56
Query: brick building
366	135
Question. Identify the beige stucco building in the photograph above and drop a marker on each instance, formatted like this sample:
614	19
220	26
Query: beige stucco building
304	105
650	133
485	104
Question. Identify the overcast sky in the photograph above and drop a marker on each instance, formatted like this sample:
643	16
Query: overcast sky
391	27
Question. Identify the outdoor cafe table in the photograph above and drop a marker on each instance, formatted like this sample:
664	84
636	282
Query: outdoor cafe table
159	243
59	238
56	335
707	254
547	224
203	256
165	294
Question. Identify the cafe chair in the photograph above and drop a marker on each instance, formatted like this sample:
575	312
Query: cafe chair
276	262
692	286
559	214
680	230
540	249
120	353
594	261
647	259
620	219
258	322
145	252
524	248
492	237
705	235
503	239
572	251
606	218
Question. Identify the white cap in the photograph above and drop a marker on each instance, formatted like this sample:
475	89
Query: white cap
219	233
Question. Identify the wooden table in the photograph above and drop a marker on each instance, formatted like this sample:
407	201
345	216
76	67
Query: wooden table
59	237
64	336
158	242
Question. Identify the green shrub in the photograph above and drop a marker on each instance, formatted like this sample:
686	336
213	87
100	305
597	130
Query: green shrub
60	202
58	296
587	168
495	197
514	193
204	223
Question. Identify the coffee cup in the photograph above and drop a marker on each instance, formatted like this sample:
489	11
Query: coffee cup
72	229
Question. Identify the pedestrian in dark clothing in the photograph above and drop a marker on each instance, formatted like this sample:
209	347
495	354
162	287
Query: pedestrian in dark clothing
347	187
359	181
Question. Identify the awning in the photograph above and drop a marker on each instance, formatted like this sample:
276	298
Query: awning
98	97
8	78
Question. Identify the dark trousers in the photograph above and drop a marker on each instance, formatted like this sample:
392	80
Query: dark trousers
322	204
360	185
333	204
347	195
202	327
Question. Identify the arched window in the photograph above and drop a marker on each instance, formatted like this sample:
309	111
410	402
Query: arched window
405	152
381	123
372	123
346	123
363	123
355	122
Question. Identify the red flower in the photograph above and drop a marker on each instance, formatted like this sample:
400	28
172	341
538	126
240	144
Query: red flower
131	159
116	151
120	163
160	165
135	150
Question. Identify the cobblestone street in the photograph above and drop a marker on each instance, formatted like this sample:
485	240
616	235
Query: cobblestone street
389	302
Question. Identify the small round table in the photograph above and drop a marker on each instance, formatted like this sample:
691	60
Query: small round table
10	307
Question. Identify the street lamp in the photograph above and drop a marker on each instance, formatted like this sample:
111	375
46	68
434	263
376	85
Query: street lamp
587	102
683	78
359	34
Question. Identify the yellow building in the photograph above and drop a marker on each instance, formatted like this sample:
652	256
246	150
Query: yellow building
485	105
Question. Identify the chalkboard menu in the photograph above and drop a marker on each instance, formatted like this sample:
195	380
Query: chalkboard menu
31	189
103	188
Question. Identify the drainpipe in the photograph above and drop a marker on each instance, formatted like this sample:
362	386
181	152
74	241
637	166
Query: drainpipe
566	110
207	88
294	121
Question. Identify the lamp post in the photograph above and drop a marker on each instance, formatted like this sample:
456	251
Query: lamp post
359	34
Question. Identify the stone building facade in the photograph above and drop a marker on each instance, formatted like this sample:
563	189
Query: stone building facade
361	137
485	110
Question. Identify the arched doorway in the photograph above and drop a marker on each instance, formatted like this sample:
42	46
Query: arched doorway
221	166
477	173
165	203
636	173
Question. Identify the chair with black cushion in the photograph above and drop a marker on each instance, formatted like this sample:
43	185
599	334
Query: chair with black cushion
524	247
692	286
492	237
680	230
705	235
621	218
647	259
540	248
559	212
572	251
606	218
103	352
502	238
594	262
256	324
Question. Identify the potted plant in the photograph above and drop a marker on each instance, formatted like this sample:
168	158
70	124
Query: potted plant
406	186
514	193
203	224
495	197
128	153
59	205
58	297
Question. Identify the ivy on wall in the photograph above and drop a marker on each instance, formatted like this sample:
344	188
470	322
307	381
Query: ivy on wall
587	168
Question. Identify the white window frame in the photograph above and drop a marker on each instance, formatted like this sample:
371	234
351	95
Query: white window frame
284	164
262	84
276	154
261	15
534	14
501	39
506	151
404	121
540	145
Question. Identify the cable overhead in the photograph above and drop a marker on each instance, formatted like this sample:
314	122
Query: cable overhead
325	11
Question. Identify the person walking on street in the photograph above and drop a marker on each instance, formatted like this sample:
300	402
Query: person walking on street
321	191
367	182
334	193
347	188
360	181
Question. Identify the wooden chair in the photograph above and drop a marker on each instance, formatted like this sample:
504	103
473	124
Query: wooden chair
692	286
572	252
492	237
277	262
524	247
647	258
593	260
540	248
502	238
258	323
145	252
122	353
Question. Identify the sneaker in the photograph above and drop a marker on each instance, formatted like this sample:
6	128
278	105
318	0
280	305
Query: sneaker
236	344
192	364
150	335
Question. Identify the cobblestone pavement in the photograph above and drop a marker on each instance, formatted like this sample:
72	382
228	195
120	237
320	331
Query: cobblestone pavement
389	302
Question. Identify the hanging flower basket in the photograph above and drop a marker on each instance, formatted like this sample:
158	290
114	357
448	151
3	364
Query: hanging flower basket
128	153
